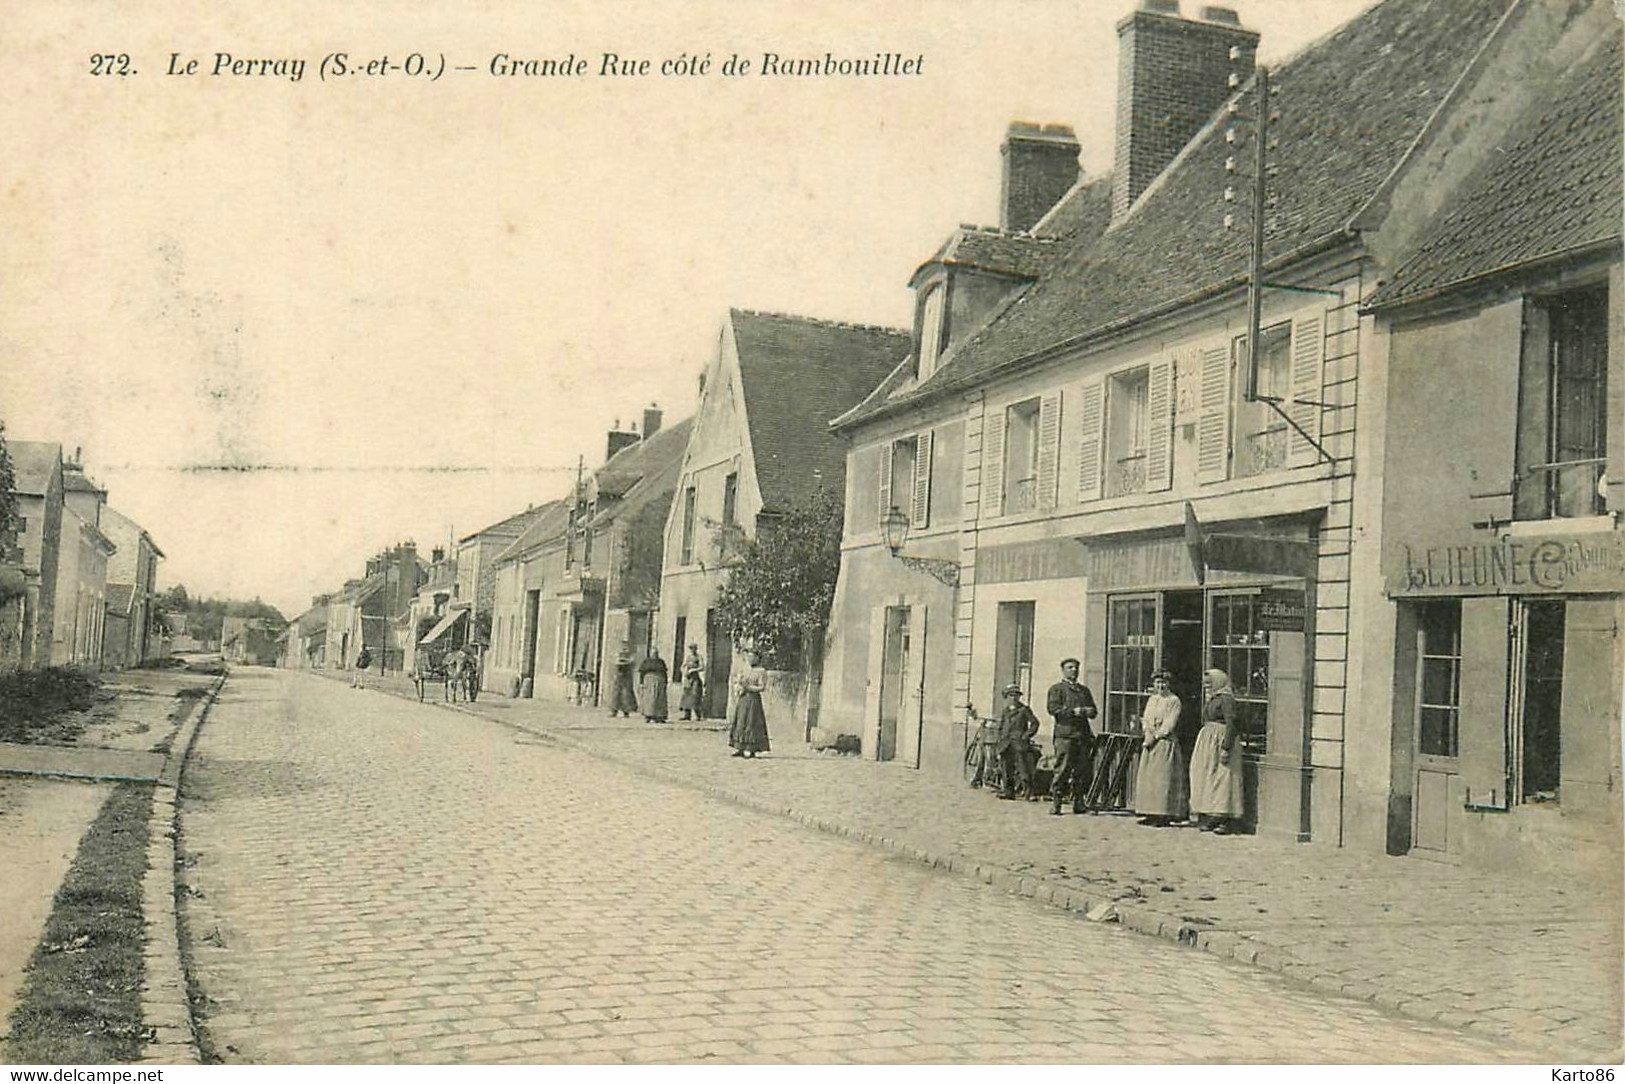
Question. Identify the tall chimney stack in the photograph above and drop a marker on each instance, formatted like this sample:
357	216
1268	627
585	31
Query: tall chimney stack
1173	74
652	416
1040	166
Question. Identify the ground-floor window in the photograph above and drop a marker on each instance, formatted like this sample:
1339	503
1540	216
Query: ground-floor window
1241	648
1439	692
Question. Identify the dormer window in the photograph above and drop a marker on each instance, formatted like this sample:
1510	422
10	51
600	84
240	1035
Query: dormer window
933	320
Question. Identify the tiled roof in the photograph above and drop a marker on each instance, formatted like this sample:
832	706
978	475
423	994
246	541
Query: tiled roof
1557	189
796	375
1017	254
549	521
33	462
75	481
119	596
1350	106
512	527
1083	213
649	468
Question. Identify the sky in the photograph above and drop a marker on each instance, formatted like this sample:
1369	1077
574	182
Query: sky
293	322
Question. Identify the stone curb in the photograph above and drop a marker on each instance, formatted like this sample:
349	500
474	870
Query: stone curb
166	1010
1224	944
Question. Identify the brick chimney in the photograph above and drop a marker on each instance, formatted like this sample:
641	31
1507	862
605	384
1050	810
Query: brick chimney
1173	74
1040	166
619	438
651	421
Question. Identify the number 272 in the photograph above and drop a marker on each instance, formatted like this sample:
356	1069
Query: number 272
109	63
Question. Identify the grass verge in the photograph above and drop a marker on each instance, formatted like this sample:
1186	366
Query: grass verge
45	705
81	1002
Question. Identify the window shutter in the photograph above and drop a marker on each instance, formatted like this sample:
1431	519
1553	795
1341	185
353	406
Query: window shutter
922	479
1049	448
1590	691
1091	430
1308	348
888	451
1213	423
1159	444
993	463
1483	720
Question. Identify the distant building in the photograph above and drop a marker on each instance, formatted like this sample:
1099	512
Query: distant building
81	586
134	566
40	504
760	446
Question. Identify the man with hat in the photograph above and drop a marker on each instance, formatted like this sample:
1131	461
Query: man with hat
1017	725
1072	705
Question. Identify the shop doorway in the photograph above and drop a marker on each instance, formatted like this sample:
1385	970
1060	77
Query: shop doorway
1013	652
719	654
1540	627
894	672
1183	657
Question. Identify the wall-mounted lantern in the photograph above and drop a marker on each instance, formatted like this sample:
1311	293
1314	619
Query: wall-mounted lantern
895	525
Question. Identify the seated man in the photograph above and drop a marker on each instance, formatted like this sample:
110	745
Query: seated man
1017	725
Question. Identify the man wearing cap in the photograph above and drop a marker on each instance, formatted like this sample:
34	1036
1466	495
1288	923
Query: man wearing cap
1017	725
1072	705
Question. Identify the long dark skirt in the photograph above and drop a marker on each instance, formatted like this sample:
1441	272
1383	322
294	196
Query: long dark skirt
748	734
693	688
623	696
652	695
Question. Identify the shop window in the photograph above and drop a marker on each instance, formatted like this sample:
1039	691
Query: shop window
687	553
1241	649
1261	431
1439	699
1021	457
1563	407
1013	649
1127	418
1131	657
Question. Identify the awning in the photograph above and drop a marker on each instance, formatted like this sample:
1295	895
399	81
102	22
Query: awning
445	623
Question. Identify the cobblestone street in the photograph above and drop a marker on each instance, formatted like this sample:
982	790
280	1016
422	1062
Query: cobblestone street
371	880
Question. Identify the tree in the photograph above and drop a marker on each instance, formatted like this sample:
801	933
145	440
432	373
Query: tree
778	595
8	500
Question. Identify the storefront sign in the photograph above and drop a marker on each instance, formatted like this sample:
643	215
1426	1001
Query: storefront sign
1280	610
1158	563
1018	562
1512	565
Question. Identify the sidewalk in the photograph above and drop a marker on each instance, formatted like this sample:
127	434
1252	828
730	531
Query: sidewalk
1531	961
50	795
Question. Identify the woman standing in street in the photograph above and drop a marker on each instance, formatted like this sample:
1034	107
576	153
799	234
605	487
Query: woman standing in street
1159	788
748	734
623	699
693	683
1215	765
652	676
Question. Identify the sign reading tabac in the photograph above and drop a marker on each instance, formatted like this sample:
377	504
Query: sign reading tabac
1510	565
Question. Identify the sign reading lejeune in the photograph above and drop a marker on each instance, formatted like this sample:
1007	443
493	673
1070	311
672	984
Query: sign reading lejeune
1509	565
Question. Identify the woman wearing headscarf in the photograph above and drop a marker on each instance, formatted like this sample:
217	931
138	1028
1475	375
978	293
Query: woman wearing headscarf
652	676
1216	762
748	734
1159	788
693	683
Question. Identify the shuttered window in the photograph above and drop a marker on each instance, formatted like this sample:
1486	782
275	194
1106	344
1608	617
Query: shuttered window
1091	433
922	479
1213	421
